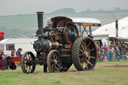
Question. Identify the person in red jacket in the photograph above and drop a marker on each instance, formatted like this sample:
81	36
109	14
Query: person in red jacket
1	56
105	51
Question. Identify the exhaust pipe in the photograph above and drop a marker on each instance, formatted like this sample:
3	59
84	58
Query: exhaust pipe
39	32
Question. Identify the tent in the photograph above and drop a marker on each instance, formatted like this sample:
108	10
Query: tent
7	45
110	29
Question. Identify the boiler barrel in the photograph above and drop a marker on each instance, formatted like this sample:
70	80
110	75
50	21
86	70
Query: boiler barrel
45	45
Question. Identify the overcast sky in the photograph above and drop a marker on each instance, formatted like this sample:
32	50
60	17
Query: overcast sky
12	7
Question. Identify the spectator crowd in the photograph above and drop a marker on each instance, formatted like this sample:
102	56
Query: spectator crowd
113	53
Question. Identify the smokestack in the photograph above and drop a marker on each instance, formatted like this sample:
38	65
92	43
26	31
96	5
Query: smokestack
116	25
40	24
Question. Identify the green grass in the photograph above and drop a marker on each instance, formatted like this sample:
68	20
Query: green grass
105	73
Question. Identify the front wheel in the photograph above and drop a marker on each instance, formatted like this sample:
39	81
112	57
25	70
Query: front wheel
26	62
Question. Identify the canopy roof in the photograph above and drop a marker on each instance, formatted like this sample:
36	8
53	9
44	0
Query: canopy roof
77	20
86	21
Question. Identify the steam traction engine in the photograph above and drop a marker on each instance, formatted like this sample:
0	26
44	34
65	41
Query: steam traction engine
61	44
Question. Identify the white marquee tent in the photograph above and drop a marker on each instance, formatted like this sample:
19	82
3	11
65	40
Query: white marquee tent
110	29
104	32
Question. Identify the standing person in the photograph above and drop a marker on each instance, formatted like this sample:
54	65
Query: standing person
101	53
110	53
117	52
127	56
98	53
120	51
105	51
18	52
13	53
113	52
2	59
1	56
7	62
6	59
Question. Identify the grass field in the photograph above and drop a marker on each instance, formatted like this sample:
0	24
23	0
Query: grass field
105	73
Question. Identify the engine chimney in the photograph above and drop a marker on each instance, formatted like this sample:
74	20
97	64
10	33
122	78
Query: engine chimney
39	32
